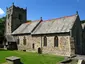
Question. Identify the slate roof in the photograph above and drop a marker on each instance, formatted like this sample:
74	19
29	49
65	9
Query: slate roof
59	25
26	27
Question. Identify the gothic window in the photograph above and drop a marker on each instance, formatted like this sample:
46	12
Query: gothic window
55	41
45	41
18	41
20	17
24	41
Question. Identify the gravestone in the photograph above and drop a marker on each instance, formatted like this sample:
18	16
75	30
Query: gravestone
13	60
80	61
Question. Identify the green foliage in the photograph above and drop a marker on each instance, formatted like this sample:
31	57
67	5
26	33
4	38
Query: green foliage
82	21
29	20
30	58
2	19
2	25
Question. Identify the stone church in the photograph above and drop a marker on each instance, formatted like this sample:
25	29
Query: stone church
60	36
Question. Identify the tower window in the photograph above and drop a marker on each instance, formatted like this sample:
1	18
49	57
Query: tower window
20	17
24	41
8	16
55	41
45	41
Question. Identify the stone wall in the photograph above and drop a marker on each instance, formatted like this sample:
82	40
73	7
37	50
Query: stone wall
63	49
77	35
83	40
72	46
29	43
18	17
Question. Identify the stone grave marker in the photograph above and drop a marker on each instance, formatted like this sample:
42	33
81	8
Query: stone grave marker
80	61
13	60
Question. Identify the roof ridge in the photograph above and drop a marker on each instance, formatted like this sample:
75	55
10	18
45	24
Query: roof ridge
59	18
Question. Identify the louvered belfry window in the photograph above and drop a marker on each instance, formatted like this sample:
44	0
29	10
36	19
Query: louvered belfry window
45	41
55	41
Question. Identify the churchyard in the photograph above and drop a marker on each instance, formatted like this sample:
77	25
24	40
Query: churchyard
30	58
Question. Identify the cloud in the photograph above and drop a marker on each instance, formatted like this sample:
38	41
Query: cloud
1	12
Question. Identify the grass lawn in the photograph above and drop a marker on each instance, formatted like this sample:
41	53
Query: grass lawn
30	58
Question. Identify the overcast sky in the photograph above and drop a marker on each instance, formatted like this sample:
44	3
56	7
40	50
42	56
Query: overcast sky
48	9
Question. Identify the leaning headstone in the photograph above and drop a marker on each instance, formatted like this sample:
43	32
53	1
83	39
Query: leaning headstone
13	60
66	61
80	61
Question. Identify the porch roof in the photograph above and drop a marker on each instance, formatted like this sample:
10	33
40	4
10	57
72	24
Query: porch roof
10	38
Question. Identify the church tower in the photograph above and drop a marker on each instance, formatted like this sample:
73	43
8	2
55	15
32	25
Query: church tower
14	18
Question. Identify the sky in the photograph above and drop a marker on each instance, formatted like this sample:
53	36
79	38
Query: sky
47	9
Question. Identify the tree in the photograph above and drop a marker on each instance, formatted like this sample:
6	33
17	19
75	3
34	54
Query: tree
2	25
29	20
82	21
2	30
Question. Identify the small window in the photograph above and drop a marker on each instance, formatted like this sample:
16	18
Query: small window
45	41
24	41
20	17
55	41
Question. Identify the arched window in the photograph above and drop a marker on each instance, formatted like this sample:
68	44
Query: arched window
55	41
24	41
45	41
18	41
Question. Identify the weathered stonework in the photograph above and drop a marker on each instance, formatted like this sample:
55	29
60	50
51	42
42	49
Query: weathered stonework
76	33
14	18
63	49
29	43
